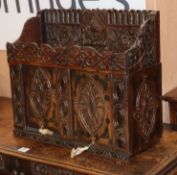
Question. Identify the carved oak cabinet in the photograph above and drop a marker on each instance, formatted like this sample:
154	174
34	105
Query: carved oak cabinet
89	76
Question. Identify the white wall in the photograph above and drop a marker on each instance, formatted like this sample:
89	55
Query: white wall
168	25
5	90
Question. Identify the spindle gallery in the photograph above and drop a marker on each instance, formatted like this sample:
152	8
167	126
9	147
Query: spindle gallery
35	5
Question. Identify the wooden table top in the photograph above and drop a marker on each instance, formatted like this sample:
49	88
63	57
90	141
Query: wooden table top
151	162
170	96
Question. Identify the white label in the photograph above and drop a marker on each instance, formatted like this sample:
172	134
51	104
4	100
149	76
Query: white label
23	149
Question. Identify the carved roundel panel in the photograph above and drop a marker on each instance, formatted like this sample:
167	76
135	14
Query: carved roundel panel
146	108
40	92
90	105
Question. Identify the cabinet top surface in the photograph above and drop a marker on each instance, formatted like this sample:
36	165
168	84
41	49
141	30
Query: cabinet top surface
151	161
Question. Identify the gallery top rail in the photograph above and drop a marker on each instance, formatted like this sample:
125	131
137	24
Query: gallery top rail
111	17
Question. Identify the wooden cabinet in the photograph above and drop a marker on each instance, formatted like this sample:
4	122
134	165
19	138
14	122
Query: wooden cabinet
91	76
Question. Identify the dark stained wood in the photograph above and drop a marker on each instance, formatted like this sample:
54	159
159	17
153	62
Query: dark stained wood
171	98
89	76
45	159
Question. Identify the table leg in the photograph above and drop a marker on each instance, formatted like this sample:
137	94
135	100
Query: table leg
173	112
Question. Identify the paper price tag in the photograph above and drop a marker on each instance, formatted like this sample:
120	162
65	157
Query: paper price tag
23	149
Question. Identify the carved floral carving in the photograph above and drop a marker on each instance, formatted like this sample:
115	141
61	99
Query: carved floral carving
18	95
49	99
40	93
119	107
62	35
146	108
90	106
121	39
94	28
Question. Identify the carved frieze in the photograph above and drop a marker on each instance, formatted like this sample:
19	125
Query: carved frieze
86	57
43	169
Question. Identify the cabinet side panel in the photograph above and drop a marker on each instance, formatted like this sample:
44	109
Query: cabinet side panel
145	108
